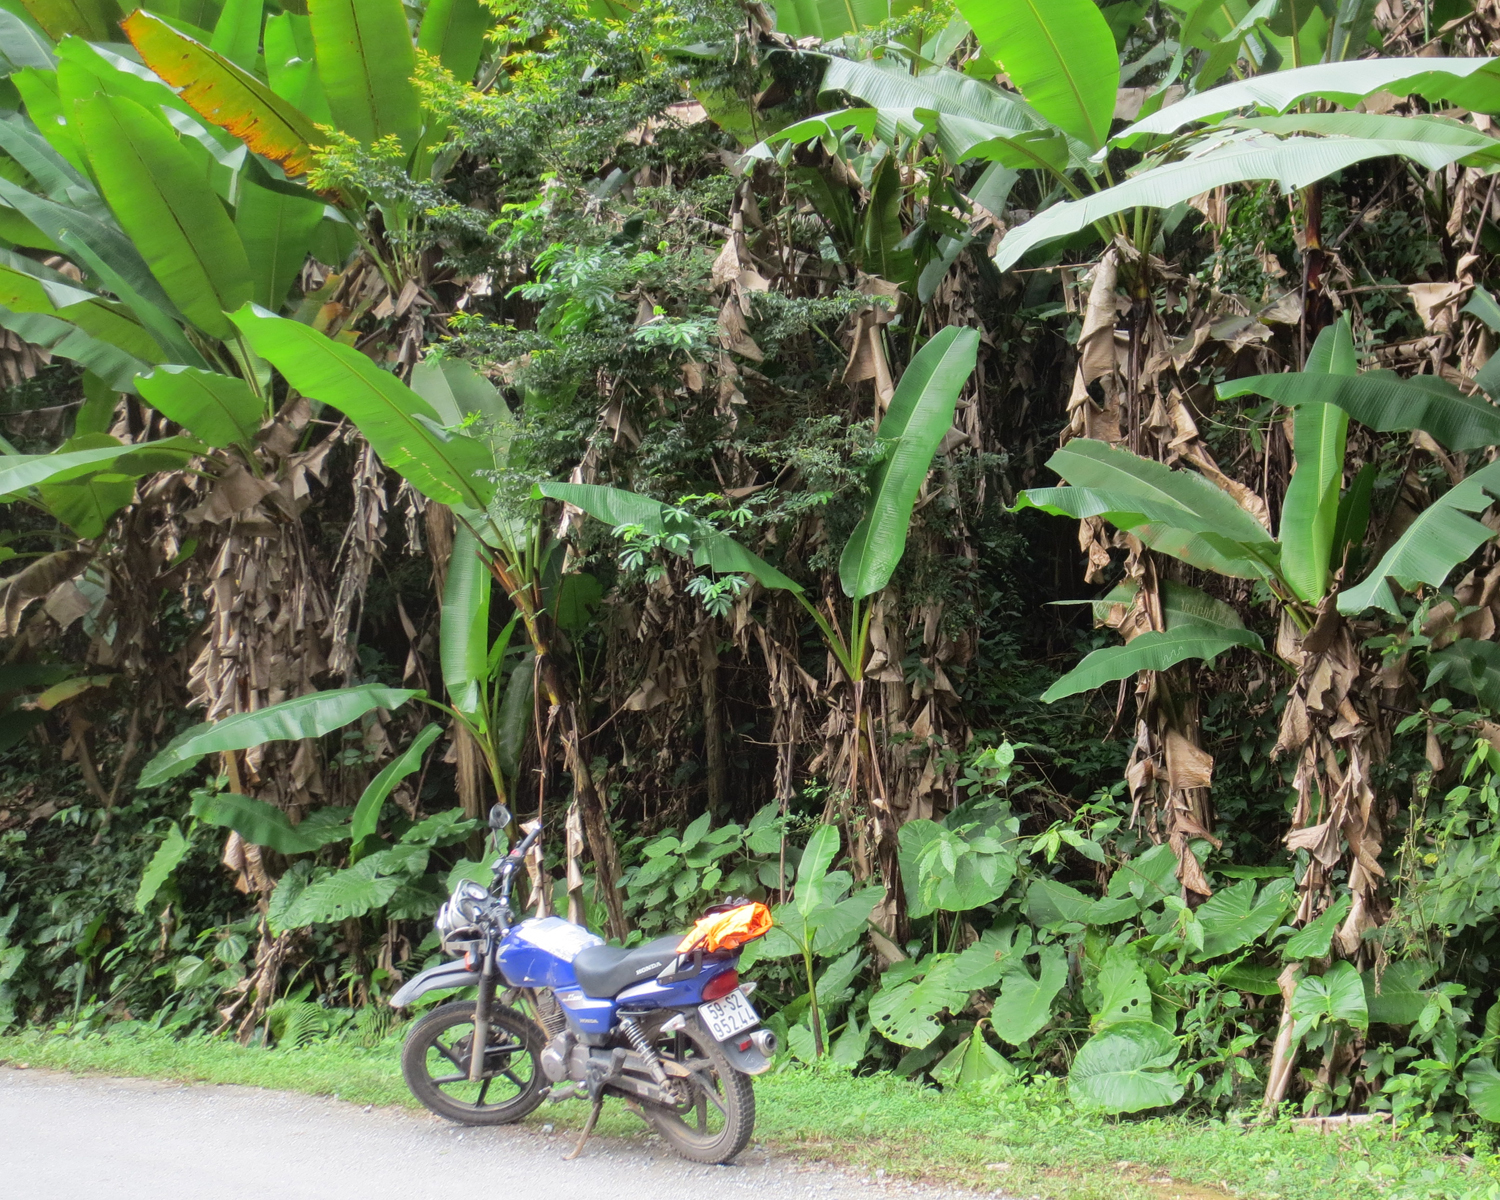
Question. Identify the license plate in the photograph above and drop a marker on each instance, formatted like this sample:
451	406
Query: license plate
729	1016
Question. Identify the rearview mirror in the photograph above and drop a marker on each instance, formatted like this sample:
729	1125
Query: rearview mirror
499	817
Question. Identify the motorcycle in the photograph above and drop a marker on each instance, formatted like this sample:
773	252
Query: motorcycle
666	1025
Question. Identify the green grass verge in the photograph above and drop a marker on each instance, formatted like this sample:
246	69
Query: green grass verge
1025	1141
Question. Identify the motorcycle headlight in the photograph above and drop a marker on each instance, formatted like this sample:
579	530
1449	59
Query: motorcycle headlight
462	911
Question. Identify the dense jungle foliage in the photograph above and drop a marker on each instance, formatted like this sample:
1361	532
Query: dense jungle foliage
1009	485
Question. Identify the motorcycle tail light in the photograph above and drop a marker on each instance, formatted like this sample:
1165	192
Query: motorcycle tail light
721	985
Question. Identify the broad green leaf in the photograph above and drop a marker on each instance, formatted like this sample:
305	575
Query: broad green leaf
366	61
23	45
367	811
906	1014
1025	1003
1249	977
65	340
1310	510
351	892
236	34
1150	651
173	850
1472	666
96	20
887	87
830	19
307	716
1182	605
1060	54
982	965
163	202
1125	1068
1155	871
1482	1086
292	68
836	927
277	231
464	636
1052	902
401	427
1314	938
85	498
1293	162
20	471
32	288
58	179
225	94
453	31
1397	995
920	413
263	824
1124	993
822	848
1386	402
1234	916
1438	540
1483	149
220	409
880	248
976	879
515	716
578	595
1345	83
1337	995
460	393
972	1061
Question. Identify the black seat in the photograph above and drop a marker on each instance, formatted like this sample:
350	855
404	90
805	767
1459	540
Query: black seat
606	971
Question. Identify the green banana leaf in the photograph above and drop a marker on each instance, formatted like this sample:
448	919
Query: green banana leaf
830	19
163	202
1293	162
220	409
292	68
880	250
1485	150
515	717
1345	83
23	45
464	635
54	174
1437	541
277	230
366	61
1059	53
402	427
63	339
1148	652
453	32
920	413
223	93
307	716
1309	514
236	34
1386	403
263	824
367	811
96	20
1182	606
20	471
30	287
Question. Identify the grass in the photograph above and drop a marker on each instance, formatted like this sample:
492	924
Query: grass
1025	1141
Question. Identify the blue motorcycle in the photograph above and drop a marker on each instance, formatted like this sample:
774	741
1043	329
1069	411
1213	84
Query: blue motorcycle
670	1030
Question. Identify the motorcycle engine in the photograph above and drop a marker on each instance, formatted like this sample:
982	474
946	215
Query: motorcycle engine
555	1055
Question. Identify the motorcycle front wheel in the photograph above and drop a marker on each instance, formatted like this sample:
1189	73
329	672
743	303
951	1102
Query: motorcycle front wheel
435	1063
715	1121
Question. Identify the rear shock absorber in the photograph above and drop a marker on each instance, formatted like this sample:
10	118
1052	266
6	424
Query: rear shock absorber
642	1045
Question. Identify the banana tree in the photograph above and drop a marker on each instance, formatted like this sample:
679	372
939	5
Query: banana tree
1330	715
920	414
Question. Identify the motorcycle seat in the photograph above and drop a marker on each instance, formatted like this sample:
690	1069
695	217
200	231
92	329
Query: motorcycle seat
605	971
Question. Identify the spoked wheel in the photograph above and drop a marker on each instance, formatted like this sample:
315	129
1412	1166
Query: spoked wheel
716	1119
435	1062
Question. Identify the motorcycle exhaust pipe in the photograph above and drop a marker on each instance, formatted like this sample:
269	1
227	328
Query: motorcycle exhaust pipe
765	1042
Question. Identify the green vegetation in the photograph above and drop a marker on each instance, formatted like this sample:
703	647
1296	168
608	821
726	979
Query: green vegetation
1008	485
1022	1138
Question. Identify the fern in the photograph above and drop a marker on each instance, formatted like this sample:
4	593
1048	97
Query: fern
294	1023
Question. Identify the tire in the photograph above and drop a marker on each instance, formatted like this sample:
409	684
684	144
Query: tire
702	1130
435	1065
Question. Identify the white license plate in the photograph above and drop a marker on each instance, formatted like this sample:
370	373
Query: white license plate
729	1016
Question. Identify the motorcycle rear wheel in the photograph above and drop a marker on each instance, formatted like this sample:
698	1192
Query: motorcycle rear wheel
717	1121
435	1064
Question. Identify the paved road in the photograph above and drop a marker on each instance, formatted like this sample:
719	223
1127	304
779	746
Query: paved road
69	1138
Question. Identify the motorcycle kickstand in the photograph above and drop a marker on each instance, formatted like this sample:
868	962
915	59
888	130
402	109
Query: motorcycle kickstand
598	1078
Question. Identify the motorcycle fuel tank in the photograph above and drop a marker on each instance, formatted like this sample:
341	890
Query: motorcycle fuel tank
540	952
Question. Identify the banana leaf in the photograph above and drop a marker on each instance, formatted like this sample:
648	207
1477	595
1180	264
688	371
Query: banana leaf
367	811
1059	53
920	413
307	716
220	409
1148	652
366	62
464	637
453	32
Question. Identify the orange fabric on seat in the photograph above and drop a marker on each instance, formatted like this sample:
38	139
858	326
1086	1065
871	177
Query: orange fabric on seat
728	930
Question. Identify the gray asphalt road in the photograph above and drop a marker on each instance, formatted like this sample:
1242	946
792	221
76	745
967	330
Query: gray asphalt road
68	1138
